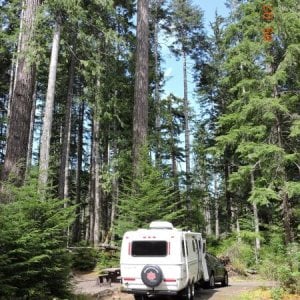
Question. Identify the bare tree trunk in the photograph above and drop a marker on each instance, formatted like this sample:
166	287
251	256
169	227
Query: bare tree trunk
115	197
157	93
140	110
173	158
208	228
96	162
186	134
94	209
92	189
76	227
48	114
256	220
238	230
286	212
217	223
21	103
64	164
31	132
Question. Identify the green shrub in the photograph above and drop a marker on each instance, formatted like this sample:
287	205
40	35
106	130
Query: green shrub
34	262
84	258
277	293
107	259
240	253
282	263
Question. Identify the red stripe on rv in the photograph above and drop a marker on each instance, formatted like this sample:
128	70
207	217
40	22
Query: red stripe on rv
129	279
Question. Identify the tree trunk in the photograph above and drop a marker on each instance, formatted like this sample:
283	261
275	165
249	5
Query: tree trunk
207	214
157	95
140	110
286	206
217	223
64	164
186	134
48	114
96	162
286	212
31	132
76	227
94	210
21	104
238	230
228	195
256	220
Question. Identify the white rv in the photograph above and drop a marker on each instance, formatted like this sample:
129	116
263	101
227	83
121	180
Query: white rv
163	260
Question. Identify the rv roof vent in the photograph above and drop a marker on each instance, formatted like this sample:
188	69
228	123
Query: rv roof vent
161	225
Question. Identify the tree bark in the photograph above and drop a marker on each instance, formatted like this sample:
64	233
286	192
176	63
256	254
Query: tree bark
256	220
140	110
49	106
64	164
21	102
186	134
217	222
157	94
94	210
31	131
228	196
96	162
76	227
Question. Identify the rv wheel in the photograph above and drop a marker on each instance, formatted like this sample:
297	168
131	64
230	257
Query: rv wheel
187	293
152	275
192	291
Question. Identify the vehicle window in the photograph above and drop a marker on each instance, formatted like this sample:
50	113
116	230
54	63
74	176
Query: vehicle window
194	247
199	245
183	248
149	248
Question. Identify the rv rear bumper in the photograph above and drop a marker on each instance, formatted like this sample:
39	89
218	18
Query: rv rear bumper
150	292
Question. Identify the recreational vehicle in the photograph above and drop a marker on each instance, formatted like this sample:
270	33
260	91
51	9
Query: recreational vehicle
163	260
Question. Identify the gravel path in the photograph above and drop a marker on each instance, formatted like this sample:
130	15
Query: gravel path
88	284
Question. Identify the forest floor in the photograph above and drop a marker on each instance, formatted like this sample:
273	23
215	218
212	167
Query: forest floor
87	286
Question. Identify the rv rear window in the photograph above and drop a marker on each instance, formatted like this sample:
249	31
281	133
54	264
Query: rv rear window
149	248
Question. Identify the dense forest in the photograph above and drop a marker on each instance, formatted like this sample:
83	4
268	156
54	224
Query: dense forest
91	145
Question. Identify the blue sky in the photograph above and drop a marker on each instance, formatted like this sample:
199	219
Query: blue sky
173	68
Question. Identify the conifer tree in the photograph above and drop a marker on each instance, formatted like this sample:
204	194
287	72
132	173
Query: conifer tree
187	27
22	93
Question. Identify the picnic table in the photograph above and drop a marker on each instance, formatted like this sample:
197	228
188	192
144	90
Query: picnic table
110	275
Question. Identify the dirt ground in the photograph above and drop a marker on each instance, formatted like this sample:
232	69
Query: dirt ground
88	284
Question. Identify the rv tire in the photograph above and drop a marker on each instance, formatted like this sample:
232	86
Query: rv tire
187	293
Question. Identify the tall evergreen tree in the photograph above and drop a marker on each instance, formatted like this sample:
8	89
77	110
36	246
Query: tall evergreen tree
140	109
22	93
186	24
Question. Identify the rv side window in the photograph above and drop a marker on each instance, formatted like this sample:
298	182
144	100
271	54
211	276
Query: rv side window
194	246
183	248
199	245
149	248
